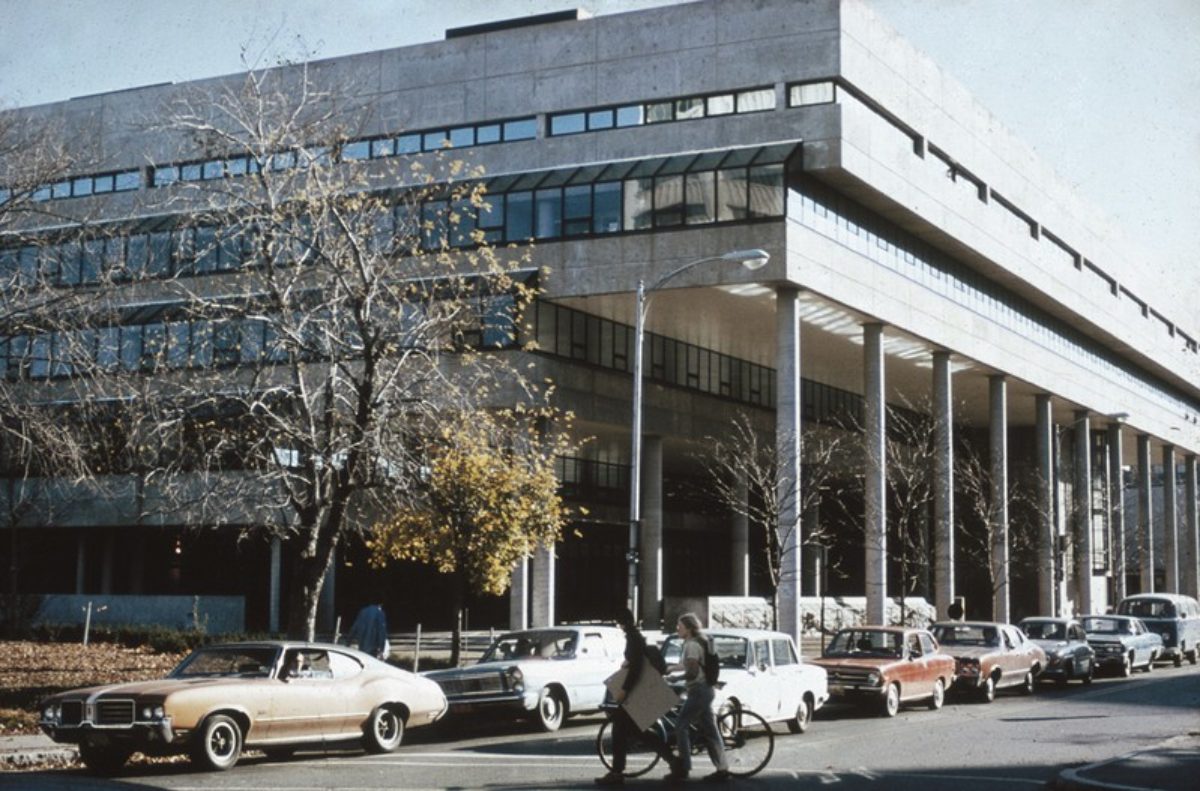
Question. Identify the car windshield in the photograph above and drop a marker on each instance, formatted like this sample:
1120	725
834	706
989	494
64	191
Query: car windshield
1147	608
1107	626
245	661
548	644
1044	630
966	634
849	642
731	651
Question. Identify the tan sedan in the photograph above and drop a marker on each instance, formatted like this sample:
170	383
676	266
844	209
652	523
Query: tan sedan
990	656
886	666
273	696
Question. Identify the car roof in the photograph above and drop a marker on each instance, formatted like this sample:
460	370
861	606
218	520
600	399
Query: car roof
1111	617
286	645
1047	619
749	634
971	623
1175	597
892	629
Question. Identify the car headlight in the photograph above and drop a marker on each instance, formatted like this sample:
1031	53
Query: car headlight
50	713
873	678
515	679
153	712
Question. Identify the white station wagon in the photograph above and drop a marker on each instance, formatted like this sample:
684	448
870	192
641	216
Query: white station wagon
762	671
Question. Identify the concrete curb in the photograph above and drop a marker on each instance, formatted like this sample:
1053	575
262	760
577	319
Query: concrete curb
39	756
1074	779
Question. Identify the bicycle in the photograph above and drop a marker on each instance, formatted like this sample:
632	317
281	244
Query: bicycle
748	738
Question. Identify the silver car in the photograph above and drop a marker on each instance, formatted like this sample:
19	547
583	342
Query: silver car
545	674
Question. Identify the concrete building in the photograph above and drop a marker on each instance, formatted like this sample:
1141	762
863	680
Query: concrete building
920	257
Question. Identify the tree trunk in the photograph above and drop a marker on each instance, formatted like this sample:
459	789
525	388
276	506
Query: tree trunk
305	596
457	600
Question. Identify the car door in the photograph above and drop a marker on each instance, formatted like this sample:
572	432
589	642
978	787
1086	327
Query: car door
303	703
588	670
786	675
1013	661
760	688
915	678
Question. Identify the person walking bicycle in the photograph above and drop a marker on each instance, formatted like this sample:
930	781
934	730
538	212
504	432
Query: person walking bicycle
624	730
698	706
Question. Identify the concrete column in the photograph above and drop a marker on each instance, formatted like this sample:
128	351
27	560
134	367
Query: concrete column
1116	501
1170	520
518	596
80	562
943	483
273	591
1145	516
998	468
1083	513
651	540
1190	574
875	473
544	563
787	445
740	543
1044	431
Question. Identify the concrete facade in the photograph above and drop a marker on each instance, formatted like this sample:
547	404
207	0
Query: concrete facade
922	252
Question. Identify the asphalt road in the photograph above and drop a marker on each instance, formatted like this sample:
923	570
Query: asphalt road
1013	744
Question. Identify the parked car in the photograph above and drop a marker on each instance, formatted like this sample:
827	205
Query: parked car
885	666
1174	618
762	671
273	696
990	656
1122	642
546	674
1068	655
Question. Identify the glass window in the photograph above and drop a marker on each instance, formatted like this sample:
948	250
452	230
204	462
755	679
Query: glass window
521	129
190	172
283	160
131	348
639	203
433	141
159	262
91	261
384	147
491	218
359	149
659	112
206	249
812	93
235	166
81	186
462	137
701	197
577	209
732	195
462	223
434	225
60	190
668	200
766	191
179	337
488	133
689	108
102	183
630	115
600	119
568	124
754	101
226	341
136	254
127	180
720	105
606	207
213	170
229	249
518	216
548	210
107	346
408	144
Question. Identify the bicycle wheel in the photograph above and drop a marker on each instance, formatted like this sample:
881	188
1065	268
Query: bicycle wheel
639	759
749	741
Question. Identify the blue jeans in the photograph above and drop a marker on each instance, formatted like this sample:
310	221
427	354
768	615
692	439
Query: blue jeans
698	706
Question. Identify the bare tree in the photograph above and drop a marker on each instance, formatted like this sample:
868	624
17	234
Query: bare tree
315	315
749	477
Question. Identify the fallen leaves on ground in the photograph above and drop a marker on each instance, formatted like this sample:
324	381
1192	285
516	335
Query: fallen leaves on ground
31	671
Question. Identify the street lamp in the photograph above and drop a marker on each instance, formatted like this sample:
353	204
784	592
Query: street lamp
750	259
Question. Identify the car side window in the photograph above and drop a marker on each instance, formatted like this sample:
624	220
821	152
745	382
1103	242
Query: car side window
762	653
343	666
783	652
927	645
1009	643
914	646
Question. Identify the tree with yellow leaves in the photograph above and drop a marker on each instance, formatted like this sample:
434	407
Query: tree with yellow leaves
490	497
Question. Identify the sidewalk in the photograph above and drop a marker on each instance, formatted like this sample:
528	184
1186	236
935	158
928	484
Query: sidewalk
19	752
1173	765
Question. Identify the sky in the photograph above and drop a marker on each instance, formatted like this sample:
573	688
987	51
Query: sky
1106	91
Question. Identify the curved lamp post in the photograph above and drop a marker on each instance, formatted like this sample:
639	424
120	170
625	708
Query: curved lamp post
750	259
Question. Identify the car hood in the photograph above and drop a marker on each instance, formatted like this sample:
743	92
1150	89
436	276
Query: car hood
1050	645
481	669
159	687
969	651
1109	638
854	663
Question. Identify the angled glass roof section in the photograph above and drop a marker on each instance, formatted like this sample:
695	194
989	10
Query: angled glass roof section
692	162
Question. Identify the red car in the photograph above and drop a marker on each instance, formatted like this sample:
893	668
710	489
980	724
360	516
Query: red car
885	666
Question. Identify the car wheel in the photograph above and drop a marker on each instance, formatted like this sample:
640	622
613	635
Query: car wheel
103	760
987	693
1027	683
218	743
384	731
804	714
1091	672
939	695
1179	659
1127	666
1192	656
1149	668
551	710
890	705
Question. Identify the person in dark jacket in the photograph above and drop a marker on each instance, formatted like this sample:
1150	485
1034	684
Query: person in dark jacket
624	730
370	631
